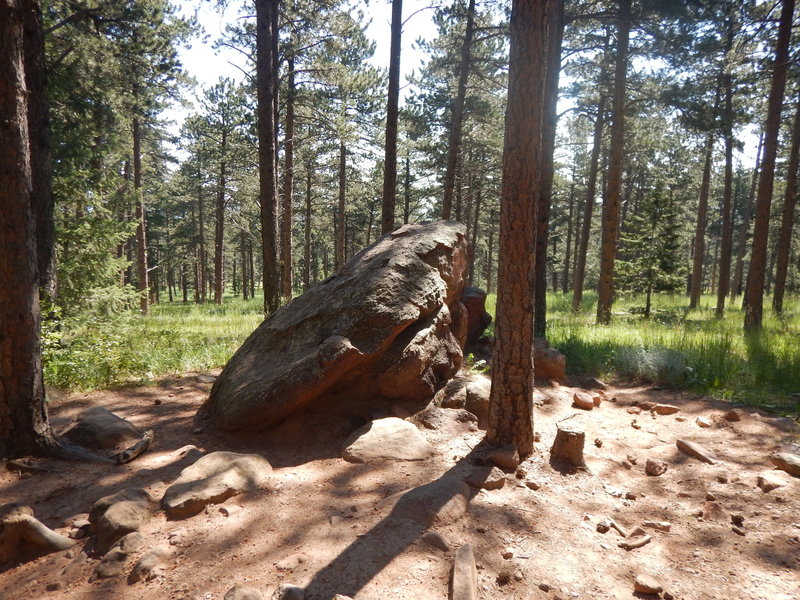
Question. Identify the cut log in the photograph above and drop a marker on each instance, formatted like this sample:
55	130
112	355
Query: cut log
568	446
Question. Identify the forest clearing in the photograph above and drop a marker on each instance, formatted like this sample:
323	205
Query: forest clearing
296	307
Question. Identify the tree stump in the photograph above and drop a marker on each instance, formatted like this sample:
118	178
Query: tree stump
568	446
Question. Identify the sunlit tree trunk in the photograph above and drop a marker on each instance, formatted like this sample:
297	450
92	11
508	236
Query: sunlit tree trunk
392	114
288	187
219	230
341	210
726	243
738	274
699	247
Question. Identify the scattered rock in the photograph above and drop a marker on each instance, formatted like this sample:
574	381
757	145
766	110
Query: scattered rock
737	519
119	514
480	479
712	511
534	485
545	587
655	467
548	362
213	479
635	424
149	565
634	410
703	422
646	406
664	526
386	439
452	422
100	429
583	400
697	451
291	562
437	540
464	580
115	561
738	530
636	542
54	586
665	409
388	324
243	592
23	536
772	480
505	457
287	591
680	419
442	502
645	584
788	462
508	553
733	415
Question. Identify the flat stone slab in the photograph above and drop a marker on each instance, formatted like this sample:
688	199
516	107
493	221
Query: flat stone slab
213	479
100	429
464	585
772	480
788	462
697	451
386	439
439	502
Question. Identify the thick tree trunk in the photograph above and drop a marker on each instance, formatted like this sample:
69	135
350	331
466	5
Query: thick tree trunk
219	232
586	225
554	36
266	36
747	214
457	114
782	250
141	219
340	213
288	187
754	292
610	220
699	248
392	114
511	397
726	243
24	427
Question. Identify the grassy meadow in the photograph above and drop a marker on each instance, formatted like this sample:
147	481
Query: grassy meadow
675	347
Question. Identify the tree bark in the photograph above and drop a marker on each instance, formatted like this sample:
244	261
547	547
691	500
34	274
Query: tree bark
307	231
754	292
219	230
392	114
568	248
202	271
141	220
288	186
266	35
340	213
747	214
782	250
554	36
699	248
457	114
406	198
726	243
586	225
608	244
245	270
511	397
24	426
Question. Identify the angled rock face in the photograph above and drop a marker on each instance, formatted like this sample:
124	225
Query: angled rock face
389	323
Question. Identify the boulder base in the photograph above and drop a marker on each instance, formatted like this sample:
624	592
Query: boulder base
389	324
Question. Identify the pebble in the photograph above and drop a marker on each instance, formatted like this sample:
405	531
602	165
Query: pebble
664	526
635	425
733	416
508	553
645	584
598	442
665	409
655	467
534	485
703	422
583	401
737	530
737	519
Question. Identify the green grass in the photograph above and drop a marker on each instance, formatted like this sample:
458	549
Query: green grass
675	347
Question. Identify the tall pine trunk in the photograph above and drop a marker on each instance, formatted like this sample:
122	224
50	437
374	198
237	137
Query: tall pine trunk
726	243
219	230
307	231
266	37
288	186
754	291
699	247
340	212
787	216
744	231
610	219
141	224
392	114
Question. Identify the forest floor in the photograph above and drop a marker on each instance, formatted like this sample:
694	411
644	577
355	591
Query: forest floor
329	510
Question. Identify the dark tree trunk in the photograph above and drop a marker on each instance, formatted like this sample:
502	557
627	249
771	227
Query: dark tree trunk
392	113
141	219
406	199
251	261
610	220
457	114
288	187
554	36
473	240
24	426
787	216
747	217
511	397
490	252
202	271
699	248
219	232
245	270
754	292
184	284
726	243
266	36
307	232
340	213
586	224
568	249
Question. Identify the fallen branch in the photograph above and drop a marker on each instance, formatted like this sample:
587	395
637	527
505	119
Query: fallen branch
138	448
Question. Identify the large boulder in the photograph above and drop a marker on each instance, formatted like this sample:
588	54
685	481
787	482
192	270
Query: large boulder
100	429
388	325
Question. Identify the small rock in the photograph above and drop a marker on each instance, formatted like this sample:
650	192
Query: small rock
771	480
545	587
697	451
583	400
630	496
645	405
534	485
634	543
537	436
710	497
665	409
733	415
635	425
148	566
197	430
518	575
634	410
664	526
681	419
508	553
291	562
598	442
287	591
386	439
494	480
437	540
703	422
505	457
737	519
243	592
54	586
645	584
503	577
722	478
738	530
157	401
655	467
632	459
788	462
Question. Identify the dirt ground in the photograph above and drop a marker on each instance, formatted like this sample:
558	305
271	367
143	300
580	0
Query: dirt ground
328	509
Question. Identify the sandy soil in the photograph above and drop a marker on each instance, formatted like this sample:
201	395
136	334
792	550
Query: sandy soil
328	509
